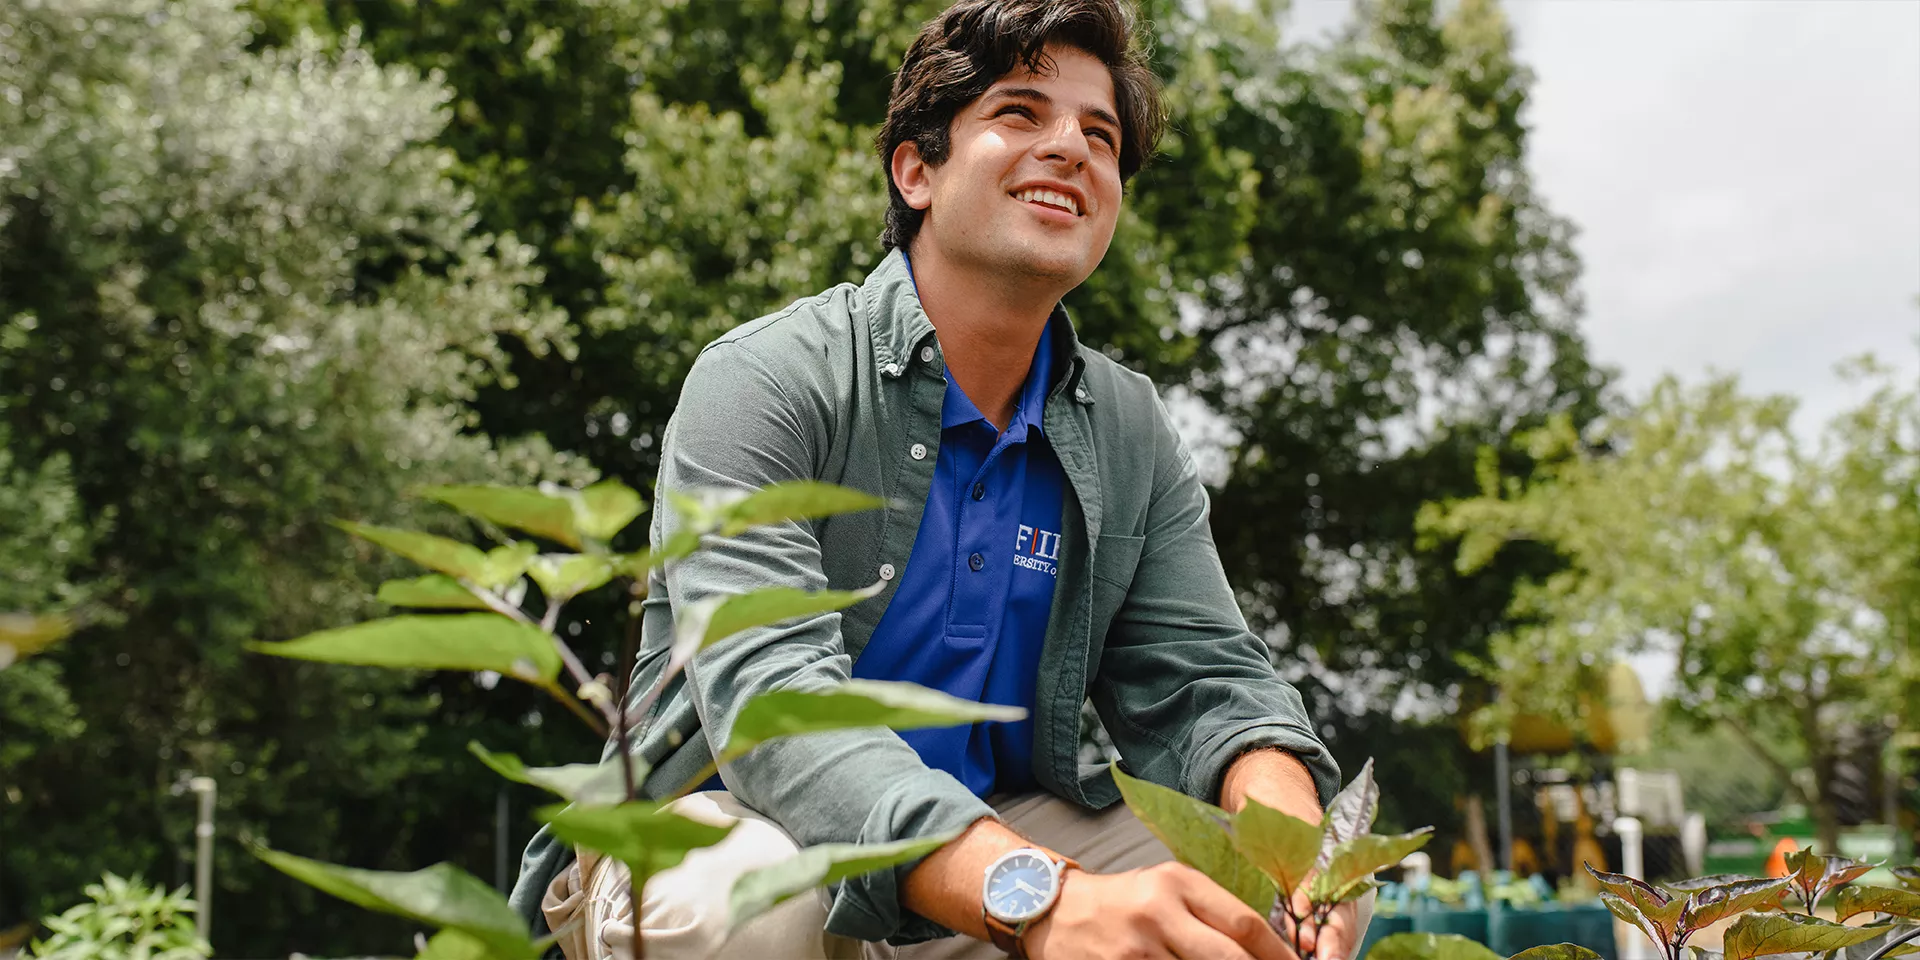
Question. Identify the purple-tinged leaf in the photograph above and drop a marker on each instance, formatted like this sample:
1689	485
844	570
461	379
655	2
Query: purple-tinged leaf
1350	814
1714	904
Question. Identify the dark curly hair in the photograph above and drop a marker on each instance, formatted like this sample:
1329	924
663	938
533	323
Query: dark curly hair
962	52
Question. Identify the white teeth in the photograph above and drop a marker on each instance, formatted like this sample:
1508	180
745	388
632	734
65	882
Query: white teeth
1050	197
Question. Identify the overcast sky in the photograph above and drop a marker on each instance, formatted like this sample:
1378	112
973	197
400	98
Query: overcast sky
1745	177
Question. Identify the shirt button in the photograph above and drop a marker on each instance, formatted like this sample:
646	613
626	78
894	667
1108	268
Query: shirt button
918	451
926	354
893	369
886	571
976	562
1080	393
979	491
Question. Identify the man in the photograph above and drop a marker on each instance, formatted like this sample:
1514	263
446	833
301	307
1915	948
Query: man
1046	540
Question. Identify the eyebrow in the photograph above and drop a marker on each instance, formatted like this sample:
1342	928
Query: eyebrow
1039	96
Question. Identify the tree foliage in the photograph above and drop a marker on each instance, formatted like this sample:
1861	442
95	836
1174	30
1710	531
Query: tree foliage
1782	577
238	294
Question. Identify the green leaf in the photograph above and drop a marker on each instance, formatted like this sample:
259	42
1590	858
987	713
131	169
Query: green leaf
855	703
454	945
605	509
435	591
517	507
1854	901
468	641
23	635
594	784
1350	814
793	500
758	891
1766	934
1283	846
441	896
641	834
702	623
1198	835
1714	904
1556	951
450	557
1355	861
505	564
1429	946
563	576
1908	877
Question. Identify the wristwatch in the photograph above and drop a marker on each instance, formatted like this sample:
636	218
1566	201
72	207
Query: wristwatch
1020	888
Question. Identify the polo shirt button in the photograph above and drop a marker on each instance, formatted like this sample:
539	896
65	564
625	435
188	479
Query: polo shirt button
979	491
918	451
1080	394
926	354
893	369
976	562
886	571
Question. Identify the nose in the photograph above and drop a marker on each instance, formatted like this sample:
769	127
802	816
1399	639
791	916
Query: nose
1065	143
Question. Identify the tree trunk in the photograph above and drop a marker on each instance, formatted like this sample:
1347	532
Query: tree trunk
1476	830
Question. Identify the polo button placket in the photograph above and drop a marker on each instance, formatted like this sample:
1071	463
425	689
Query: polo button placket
918	451
926	354
976	562
886	571
979	491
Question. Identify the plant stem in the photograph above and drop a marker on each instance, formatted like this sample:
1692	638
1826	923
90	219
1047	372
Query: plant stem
1893	942
573	703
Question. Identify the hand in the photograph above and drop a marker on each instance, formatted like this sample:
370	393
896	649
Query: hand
1158	913
1336	939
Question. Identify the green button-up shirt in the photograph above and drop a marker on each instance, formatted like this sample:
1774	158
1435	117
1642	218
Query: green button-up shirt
847	387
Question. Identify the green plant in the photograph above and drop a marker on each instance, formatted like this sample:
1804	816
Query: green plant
124	918
481	626
1259	852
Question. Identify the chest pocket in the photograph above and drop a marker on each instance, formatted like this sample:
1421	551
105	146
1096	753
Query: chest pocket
1115	558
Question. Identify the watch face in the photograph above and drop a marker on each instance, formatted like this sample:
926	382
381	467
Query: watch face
1020	887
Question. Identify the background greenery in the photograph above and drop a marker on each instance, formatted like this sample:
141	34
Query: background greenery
269	264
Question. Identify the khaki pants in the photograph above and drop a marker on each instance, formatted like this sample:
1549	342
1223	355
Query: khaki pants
684	910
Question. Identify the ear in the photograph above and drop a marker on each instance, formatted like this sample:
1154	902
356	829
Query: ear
912	176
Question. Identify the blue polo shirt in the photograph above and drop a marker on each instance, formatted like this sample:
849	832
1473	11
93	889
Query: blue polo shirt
969	614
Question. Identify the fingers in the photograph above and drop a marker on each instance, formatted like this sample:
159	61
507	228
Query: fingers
1224	913
1192	939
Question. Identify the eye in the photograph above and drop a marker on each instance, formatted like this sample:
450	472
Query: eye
1113	142
1016	109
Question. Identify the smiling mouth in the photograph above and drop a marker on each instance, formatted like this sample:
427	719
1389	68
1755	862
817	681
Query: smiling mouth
1050	199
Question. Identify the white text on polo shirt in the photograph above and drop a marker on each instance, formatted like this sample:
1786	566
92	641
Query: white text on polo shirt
1035	549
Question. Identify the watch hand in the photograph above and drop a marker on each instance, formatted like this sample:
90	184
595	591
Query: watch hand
1022	885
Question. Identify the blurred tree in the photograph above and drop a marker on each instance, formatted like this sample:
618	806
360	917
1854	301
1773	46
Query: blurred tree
238	296
1783	579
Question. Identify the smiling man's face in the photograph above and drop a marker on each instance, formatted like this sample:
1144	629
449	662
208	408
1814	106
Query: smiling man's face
1031	184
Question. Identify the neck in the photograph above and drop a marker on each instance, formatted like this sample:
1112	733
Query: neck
988	326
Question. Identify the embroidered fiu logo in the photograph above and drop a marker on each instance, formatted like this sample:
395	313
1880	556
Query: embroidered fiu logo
1037	549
